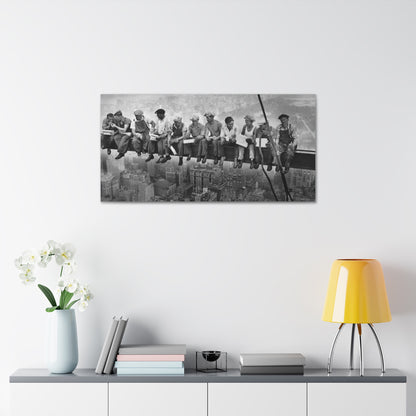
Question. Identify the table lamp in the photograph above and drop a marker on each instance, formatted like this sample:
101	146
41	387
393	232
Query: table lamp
356	295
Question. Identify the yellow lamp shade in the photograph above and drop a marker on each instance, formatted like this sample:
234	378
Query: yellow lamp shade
356	293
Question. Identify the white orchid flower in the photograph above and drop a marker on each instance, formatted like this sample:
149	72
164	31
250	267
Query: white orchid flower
45	256
61	285
52	246
30	257
82	305
64	253
27	276
27	269
82	290
85	293
89	296
69	267
44	262
27	279
19	263
72	286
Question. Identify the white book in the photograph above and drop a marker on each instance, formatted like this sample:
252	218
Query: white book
188	141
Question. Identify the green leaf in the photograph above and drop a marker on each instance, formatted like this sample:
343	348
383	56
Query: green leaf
51	309
49	295
62	299
72	304
65	298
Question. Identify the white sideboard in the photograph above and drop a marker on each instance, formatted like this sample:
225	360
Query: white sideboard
181	399
63	399
343	393
250	399
358	399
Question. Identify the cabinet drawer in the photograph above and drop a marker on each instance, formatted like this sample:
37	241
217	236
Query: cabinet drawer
254	399
158	399
358	399
63	399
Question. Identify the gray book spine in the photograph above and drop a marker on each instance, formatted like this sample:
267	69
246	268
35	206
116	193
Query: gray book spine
276	370
106	346
152	349
118	336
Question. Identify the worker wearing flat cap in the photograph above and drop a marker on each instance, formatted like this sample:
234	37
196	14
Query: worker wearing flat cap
213	130
265	137
196	132
159	137
141	133
177	137
229	132
286	142
122	136
108	132
249	133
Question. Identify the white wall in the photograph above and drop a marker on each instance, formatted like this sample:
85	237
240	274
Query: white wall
236	277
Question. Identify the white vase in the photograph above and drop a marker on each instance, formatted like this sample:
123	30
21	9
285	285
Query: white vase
62	343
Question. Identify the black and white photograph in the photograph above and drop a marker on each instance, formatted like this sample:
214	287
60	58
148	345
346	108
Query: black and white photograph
208	147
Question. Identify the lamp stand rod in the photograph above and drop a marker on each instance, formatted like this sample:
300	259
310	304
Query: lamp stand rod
383	368
352	347
331	353
361	350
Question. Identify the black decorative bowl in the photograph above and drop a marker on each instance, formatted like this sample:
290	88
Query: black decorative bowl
211	356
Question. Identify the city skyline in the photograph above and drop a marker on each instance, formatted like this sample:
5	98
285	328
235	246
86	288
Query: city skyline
131	179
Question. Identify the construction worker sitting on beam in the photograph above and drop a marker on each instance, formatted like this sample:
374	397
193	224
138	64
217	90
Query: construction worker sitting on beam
286	142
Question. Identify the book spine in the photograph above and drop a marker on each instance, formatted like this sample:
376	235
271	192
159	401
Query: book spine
115	345
106	346
136	357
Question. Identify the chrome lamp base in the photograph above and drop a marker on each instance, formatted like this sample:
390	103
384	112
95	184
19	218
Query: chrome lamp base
331	352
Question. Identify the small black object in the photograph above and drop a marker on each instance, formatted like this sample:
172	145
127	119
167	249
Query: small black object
211	361
211	355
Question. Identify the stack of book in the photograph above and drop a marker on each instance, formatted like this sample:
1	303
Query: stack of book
151	360
272	364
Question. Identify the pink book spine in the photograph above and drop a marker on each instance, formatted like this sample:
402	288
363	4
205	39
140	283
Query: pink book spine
150	357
